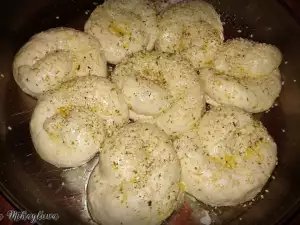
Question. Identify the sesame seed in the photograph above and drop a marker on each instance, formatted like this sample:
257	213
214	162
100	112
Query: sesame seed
283	130
295	81
286	62
57	17
2	75
9	128
267	191
262	197
273	177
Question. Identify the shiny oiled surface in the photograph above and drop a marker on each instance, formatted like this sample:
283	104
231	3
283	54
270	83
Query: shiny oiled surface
31	183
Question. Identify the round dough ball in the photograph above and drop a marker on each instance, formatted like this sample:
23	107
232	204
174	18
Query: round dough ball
252	94
241	57
137	180
193	29
55	56
70	123
123	27
162	88
227	159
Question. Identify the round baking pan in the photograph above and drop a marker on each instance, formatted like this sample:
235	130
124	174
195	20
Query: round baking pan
33	185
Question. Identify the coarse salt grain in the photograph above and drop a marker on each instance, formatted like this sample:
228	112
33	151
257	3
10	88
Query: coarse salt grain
206	220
